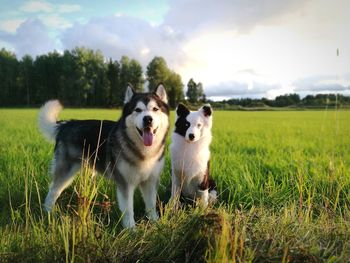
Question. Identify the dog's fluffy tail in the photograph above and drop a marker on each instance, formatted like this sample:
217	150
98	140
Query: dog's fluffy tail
48	117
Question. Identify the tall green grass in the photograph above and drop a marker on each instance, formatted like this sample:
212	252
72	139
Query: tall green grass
283	181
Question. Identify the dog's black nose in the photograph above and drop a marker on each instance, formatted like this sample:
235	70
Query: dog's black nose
147	120
191	136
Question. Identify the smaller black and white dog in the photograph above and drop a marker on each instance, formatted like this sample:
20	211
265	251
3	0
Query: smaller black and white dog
190	155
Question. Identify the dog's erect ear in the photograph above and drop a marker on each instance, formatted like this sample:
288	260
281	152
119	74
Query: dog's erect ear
206	110
161	93
128	93
182	110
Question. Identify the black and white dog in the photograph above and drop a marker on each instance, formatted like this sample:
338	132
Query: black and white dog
129	151
190	155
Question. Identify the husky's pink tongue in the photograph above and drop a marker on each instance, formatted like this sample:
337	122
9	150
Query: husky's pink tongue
147	137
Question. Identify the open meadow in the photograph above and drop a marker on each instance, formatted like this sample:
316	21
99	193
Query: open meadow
284	188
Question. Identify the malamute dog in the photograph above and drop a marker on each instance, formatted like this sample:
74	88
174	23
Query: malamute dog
129	151
190	155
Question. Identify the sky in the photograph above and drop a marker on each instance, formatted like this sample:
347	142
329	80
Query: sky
235	48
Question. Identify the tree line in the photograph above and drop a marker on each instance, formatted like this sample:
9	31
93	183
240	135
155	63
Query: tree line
287	100
83	77
80	77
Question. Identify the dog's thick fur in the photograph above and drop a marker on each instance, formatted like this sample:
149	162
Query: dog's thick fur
129	151
190	155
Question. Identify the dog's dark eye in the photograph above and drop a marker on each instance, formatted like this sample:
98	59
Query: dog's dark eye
138	110
155	109
187	125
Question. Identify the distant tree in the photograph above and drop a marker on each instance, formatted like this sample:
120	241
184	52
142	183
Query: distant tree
157	72
124	76
200	92
97	79
325	100
267	102
53	65
194	91
136	75
174	87
82	77
113	75
26	83
8	76
88	78
287	100
130	72
71	93
47	71
80	85
191	91
308	100
41	92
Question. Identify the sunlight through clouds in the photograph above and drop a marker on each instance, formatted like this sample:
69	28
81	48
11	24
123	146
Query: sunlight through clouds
36	7
238	48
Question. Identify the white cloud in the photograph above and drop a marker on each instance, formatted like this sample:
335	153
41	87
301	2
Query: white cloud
323	83
50	14
36	6
55	21
117	36
46	7
31	38
240	89
66	8
243	16
10	25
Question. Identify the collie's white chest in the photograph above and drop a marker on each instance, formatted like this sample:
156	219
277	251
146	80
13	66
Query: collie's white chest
189	160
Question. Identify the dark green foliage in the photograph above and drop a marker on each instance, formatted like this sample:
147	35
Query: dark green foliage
78	77
288	100
130	72
25	80
174	86
326	99
8	74
195	92
83	77
113	75
157	72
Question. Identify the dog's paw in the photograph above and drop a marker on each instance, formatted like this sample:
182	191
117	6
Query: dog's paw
152	215
48	208
213	197
203	196
128	223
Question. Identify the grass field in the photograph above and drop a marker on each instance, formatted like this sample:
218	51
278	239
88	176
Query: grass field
283	180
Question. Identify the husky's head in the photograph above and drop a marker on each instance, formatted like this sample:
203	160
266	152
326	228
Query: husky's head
193	125
146	115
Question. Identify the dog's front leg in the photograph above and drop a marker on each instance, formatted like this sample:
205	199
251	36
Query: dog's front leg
149	192
125	196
